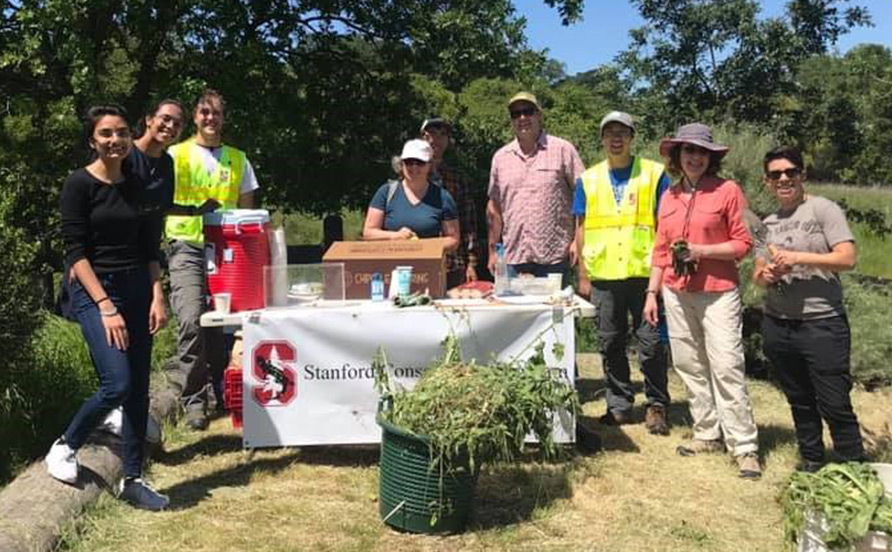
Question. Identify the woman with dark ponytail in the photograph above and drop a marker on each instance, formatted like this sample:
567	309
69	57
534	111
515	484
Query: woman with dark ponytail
112	250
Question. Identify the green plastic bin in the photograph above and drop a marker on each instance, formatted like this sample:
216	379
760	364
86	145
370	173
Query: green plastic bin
410	492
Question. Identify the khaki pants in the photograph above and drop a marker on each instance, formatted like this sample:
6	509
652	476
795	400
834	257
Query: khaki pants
707	353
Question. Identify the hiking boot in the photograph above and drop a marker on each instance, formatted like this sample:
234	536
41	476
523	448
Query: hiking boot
656	421
700	446
61	462
196	413
139	495
616	418
587	441
748	464
196	419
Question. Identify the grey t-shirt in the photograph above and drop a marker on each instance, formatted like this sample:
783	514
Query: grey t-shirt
814	226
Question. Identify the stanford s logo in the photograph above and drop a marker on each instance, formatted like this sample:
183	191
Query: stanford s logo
272	365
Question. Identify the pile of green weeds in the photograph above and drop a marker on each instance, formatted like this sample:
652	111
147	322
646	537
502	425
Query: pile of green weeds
481	412
848	498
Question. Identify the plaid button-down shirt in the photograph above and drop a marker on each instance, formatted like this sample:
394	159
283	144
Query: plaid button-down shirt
535	194
459	188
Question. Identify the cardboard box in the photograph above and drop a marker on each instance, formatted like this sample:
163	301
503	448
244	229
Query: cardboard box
364	258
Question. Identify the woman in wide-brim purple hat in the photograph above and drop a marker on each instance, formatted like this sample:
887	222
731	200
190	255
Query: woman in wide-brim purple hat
700	237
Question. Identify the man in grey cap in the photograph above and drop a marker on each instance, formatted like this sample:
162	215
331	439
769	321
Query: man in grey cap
530	194
616	210
461	264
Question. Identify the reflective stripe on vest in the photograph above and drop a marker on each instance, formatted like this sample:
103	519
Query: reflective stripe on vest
193	185
619	238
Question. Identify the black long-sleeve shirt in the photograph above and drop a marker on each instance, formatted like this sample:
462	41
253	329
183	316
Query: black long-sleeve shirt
104	223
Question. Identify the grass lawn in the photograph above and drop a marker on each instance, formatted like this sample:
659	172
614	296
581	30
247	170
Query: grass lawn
637	495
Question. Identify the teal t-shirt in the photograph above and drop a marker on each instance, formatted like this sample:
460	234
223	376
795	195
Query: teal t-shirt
425	219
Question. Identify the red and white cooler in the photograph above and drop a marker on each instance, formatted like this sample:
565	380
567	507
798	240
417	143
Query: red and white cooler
236	250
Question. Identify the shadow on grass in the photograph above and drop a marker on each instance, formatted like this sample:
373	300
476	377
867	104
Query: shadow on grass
511	494
772	436
679	414
612	437
351	456
189	493
590	389
208	446
335	456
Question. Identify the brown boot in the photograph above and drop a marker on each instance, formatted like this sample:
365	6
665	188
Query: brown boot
656	421
748	464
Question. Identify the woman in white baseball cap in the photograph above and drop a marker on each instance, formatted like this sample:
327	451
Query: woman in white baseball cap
412	206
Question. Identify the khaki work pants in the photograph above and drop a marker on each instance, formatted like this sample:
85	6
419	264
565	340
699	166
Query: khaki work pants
707	353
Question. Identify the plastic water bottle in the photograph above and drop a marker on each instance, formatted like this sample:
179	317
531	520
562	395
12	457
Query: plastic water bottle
377	287
503	282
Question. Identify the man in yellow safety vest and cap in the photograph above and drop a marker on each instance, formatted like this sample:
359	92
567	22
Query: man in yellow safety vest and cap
207	175
615	207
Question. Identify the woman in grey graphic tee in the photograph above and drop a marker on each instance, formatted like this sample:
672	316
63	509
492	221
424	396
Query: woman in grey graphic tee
805	330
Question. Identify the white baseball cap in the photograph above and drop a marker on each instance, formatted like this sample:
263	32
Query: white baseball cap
417	149
618	117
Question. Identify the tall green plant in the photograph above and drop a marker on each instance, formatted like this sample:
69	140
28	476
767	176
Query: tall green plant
43	392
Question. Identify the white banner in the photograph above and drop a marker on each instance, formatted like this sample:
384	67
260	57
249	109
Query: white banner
307	371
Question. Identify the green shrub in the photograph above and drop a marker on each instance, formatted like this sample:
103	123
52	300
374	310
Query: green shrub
43	392
867	304
19	316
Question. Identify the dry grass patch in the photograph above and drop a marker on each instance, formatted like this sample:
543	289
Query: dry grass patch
638	495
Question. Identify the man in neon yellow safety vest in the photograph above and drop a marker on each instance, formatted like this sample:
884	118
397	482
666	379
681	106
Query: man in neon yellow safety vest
615	207
207	175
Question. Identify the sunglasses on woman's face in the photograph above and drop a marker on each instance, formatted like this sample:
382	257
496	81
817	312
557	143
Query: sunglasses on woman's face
691	149
414	162
791	173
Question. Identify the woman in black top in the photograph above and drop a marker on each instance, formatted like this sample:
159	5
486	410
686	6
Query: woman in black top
150	162
112	246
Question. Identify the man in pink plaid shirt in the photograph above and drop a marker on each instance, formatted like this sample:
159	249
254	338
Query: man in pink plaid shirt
531	185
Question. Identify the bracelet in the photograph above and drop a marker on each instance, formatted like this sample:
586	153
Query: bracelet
652	291
113	312
101	300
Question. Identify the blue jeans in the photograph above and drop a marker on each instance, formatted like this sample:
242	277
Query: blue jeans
540	270
123	375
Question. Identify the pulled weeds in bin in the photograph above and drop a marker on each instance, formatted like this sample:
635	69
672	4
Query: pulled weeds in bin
849	497
480	411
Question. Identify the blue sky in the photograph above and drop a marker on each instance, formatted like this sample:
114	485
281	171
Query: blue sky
604	30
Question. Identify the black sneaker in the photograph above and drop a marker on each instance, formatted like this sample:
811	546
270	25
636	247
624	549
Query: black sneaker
196	419
139	495
809	466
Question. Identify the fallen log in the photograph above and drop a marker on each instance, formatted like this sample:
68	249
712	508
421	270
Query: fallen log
35	508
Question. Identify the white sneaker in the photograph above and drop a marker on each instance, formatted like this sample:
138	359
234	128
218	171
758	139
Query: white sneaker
114	422
61	462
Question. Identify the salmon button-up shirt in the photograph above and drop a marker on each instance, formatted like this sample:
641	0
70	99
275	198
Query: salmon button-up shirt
716	216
